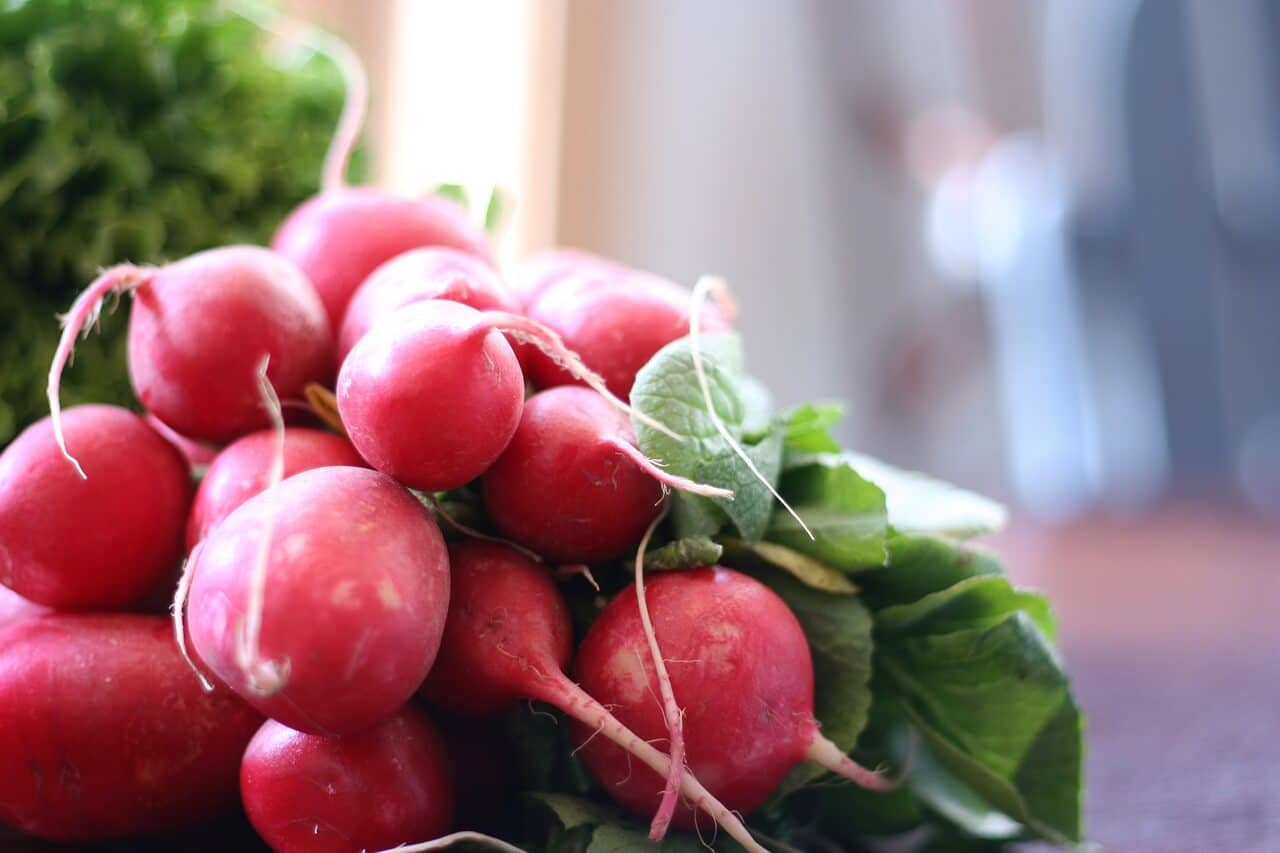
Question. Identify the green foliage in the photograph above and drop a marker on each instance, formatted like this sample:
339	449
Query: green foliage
140	131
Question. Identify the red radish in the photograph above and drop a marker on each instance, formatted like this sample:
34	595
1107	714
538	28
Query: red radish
199	328
195	452
508	638
615	321
542	269
101	542
105	734
342	235
373	790
322	600
432	395
416	276
571	484
14	608
741	671
242	470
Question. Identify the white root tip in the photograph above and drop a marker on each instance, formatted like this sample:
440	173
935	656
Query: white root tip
706	285
653	469
178	613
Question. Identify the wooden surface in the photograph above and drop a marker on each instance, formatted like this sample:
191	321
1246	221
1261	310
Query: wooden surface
1171	628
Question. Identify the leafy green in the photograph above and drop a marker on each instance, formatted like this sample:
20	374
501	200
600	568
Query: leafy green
918	503
845	513
142	132
976	602
684	554
809	428
667	389
996	709
920	565
803	568
599	828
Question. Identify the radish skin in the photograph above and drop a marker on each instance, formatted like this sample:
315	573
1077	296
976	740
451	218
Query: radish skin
741	669
507	639
356	594
100	542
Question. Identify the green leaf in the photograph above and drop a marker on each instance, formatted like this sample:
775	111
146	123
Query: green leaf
612	838
845	513
996	709
667	389
455	193
684	554
918	503
613	832
838	628
809	428
494	209
920	565
977	602
573	812
803	568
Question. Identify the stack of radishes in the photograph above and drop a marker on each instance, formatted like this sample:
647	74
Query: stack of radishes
328	660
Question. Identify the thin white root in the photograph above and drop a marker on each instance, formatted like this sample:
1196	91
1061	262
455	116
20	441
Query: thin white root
264	677
670	709
576	570
81	318
471	532
355	80
446	841
178	613
654	470
549	342
821	750
708	284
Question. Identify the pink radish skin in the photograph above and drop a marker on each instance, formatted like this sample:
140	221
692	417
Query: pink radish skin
196	453
508	638
96	543
343	234
105	733
242	470
14	608
542	269
200	327
431	395
373	790
741	671
572	485
616	321
354	604
416	276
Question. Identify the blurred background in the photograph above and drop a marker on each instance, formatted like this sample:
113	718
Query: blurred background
1034	245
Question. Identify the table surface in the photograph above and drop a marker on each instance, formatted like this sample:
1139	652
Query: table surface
1171	627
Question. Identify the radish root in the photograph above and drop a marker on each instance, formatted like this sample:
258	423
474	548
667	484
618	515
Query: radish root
178	611
444	842
465	530
264	677
670	710
708	285
356	82
667	479
573	570
324	405
822	750
549	342
80	319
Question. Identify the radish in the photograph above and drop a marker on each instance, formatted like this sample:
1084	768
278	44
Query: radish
373	790
14	608
322	600
508	638
416	276
198	329
741	671
101	542
615	320
196	453
242	470
542	269
571	484
105	734
342	235
434	393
